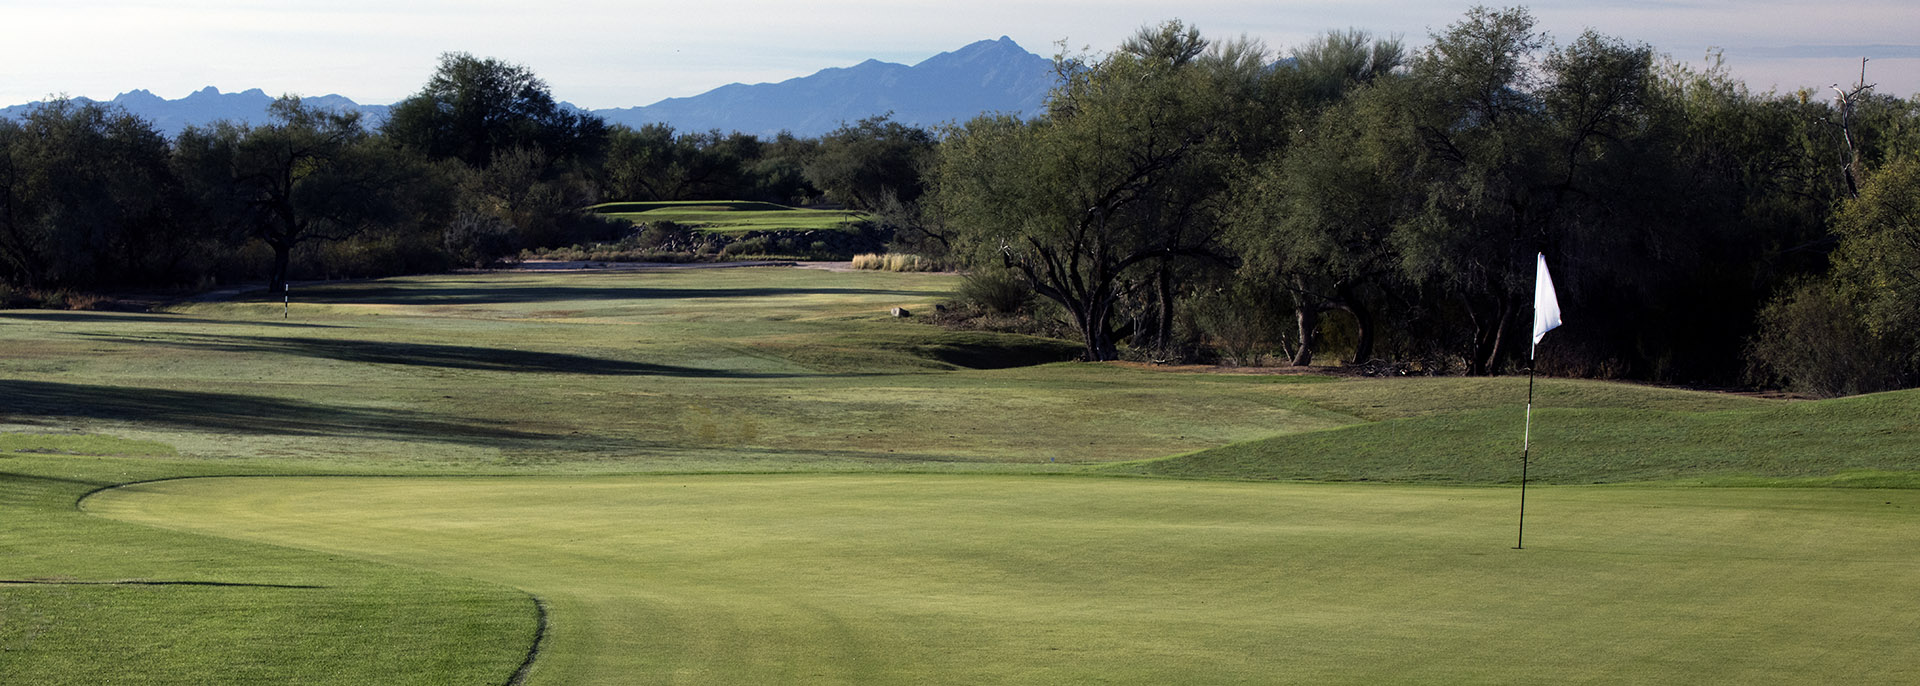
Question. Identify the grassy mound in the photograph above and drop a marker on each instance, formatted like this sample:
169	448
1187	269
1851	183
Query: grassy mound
1586	432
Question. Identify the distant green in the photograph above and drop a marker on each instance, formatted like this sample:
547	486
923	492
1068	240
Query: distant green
732	216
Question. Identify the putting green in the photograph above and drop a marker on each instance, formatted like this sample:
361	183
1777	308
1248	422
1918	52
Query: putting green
1008	579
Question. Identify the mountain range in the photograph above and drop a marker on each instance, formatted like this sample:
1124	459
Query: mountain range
986	76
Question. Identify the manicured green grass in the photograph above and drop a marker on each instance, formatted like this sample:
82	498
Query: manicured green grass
1587	432
575	383
732	216
705	205
1003	579
85	601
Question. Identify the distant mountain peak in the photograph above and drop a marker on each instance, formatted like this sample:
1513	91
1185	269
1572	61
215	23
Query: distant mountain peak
1001	45
984	76
207	106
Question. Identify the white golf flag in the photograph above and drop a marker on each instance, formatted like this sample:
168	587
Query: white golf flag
1546	307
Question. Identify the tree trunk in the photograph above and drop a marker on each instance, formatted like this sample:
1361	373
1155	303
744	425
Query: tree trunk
1482	335
1163	324
1097	341
1307	317
282	256
1497	349
1099	346
1363	327
17	250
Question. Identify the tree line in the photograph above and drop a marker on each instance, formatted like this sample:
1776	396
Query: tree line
1180	198
478	165
1181	194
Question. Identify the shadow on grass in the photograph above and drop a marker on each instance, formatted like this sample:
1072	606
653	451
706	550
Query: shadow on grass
7	479
245	414
449	356
999	353
149	582
145	317
499	294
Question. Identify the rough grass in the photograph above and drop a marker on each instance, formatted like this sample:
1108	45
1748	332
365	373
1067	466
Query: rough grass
1001	579
732	216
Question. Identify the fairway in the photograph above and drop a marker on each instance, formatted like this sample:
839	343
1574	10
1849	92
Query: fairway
961	579
737	369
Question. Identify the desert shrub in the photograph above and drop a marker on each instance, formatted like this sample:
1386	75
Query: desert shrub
1239	325
662	235
757	245
1039	317
478	239
1581	357
12	298
903	262
60	299
665	237
77	300
583	226
370	256
997	291
56	300
894	262
1812	339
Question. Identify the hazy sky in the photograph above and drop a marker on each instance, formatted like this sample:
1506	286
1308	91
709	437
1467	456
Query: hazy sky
608	53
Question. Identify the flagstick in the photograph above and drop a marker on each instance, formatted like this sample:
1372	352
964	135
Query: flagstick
1546	317
1526	447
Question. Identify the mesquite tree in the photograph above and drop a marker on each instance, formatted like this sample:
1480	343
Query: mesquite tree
311	175
1121	175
